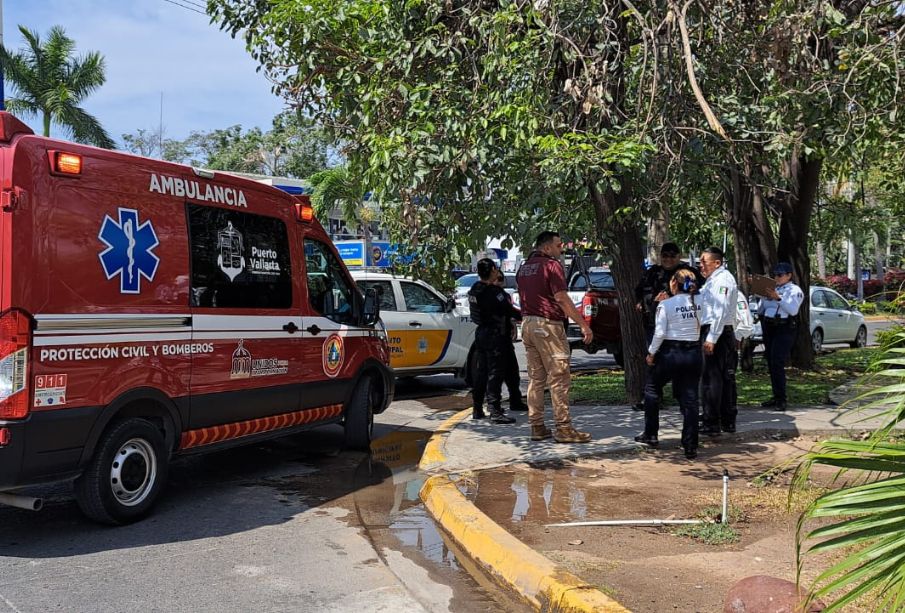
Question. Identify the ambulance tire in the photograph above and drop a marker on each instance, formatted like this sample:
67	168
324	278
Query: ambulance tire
359	419
125	475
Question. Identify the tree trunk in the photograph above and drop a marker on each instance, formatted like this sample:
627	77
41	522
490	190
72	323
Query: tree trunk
821	260
627	249
879	264
46	124
657	233
803	177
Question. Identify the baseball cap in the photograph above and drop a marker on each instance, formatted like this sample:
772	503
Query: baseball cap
782	268
669	249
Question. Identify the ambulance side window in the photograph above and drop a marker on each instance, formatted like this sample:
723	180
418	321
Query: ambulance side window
239	260
329	292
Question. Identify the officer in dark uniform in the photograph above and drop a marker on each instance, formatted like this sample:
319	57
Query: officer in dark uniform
654	288
778	313
492	312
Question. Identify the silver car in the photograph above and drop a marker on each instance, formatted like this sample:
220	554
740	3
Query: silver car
833	320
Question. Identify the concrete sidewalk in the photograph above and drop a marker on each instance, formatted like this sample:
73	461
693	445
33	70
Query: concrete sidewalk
463	445
479	444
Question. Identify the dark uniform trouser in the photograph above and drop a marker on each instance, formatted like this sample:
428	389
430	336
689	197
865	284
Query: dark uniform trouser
679	362
718	380
490	370
778	340
511	376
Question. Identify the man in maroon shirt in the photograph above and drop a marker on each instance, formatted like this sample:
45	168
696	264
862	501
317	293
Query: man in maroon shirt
545	306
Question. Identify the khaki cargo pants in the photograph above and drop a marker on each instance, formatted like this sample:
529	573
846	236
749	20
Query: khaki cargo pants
548	364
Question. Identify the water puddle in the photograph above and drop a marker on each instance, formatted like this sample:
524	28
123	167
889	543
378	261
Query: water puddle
391	511
548	494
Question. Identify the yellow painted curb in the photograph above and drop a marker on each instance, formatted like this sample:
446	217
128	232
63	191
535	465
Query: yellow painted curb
435	451
511	563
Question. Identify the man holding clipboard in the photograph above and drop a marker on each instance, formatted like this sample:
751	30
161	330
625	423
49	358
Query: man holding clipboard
778	312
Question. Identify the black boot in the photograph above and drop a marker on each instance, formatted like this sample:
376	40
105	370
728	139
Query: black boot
691	453
650	441
478	413
498	417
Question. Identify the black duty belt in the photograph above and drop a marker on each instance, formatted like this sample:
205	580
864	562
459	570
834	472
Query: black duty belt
683	344
779	321
706	328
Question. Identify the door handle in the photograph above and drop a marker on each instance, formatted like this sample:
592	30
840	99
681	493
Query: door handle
291	328
415	324
313	329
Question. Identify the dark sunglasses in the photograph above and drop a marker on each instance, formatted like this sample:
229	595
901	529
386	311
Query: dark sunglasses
669	255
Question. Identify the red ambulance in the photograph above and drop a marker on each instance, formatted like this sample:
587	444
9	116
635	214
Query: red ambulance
150	309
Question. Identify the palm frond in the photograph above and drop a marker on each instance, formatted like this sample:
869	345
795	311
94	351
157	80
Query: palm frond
867	514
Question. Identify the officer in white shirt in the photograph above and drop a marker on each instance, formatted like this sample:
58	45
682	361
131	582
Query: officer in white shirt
778	313
719	300
675	354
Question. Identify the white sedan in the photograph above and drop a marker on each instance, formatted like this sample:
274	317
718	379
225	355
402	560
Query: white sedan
464	283
833	320
427	332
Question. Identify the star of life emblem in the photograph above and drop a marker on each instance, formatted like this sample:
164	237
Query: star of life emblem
130	250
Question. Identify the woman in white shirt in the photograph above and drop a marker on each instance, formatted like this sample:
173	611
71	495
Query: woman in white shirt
675	355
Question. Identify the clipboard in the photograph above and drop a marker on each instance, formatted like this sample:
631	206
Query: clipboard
760	284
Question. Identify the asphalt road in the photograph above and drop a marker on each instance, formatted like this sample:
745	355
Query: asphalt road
291	525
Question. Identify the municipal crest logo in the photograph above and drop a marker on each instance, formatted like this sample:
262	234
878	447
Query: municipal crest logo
230	251
241	365
333	355
129	251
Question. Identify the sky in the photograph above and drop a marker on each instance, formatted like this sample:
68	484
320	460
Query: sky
208	80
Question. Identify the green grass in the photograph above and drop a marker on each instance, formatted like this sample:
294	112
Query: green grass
804	387
709	534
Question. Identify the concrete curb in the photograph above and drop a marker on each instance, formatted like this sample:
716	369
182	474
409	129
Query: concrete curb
434	455
513	565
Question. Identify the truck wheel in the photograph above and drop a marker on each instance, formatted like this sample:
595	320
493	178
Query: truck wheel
126	474
359	419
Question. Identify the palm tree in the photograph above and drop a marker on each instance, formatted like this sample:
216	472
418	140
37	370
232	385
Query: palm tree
341	187
50	83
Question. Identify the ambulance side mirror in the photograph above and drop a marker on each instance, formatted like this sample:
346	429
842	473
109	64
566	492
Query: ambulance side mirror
370	314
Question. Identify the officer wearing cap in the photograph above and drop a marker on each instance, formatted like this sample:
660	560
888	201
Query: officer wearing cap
719	301
654	285
778	313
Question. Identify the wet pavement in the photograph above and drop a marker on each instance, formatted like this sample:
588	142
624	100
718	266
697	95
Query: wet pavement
290	524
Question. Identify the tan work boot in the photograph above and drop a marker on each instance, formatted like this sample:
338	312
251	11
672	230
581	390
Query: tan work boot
540	433
571	435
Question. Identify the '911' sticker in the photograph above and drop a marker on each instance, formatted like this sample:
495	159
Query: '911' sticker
50	390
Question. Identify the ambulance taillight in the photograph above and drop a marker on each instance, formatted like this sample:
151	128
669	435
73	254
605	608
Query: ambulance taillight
62	163
15	340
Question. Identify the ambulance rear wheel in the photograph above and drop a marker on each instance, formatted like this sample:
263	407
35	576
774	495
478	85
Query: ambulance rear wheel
359	420
126	474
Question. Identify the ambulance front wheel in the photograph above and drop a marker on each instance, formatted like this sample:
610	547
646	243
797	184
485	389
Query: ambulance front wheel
359	419
126	474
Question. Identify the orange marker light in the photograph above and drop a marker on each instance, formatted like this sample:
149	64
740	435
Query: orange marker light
305	212
68	163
